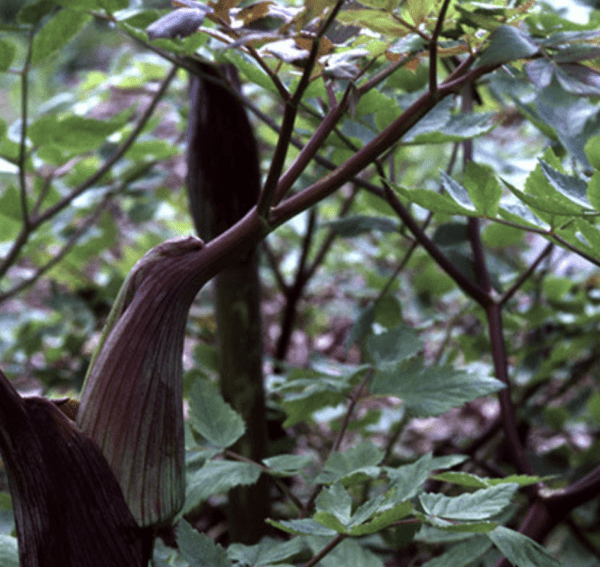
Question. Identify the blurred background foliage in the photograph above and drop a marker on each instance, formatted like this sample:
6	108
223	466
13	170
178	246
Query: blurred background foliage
51	313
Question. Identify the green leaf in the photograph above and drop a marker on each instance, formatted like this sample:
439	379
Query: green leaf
462	479
335	501
431	391
349	553
521	550
592	151
507	44
359	224
435	202
354	465
383	520
306	526
251	71
462	554
73	132
408	480
479	505
7	54
287	465
457	192
590	232
198	549
593	190
393	345
264	553
483	188
573	188
547	203
212	417
57	33
34	12
362	325
216	477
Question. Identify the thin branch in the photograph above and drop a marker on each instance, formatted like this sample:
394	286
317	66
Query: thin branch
24	123
433	45
281	485
507	408
267	194
526	274
57	257
327	549
354	398
51	211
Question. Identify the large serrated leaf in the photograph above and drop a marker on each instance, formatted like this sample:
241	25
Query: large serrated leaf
305	526
212	417
573	188
507	44
57	33
457	192
521	550
462	554
266	552
479	505
430	391
393	345
483	188
435	202
199	549
360	461
216	477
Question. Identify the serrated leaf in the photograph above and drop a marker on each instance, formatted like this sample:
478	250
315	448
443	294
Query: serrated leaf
462	554
479	505
521	550
547	203
198	549
216	477
457	192
361	460
507	44
57	33
330	521
520	479
264	553
359	224
349	553
462	479
383	520
435	202
483	188
393	345
335	501
212	417
590	232
287	465
430	391
408	480
73	132
573	188
302	527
